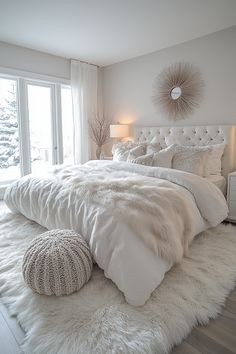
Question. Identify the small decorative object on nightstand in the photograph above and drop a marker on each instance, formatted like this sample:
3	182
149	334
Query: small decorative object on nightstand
231	196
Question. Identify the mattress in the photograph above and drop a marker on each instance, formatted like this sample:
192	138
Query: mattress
218	181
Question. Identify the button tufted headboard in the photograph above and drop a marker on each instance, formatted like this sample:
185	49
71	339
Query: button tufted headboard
194	136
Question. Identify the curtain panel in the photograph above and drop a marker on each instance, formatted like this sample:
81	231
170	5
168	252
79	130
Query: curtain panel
84	86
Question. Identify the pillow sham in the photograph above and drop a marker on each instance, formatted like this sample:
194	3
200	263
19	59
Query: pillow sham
136	152
120	151
190	159
153	147
146	160
212	163
162	158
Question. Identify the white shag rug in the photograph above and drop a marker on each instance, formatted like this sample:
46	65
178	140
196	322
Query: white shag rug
97	319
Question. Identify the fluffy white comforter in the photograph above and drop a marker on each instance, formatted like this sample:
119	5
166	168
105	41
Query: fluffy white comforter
138	220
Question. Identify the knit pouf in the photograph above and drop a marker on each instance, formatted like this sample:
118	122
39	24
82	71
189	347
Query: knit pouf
57	262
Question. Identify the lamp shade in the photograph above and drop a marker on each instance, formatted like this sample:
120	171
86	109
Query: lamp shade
119	130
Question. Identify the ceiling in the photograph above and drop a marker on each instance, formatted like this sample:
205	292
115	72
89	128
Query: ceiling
104	32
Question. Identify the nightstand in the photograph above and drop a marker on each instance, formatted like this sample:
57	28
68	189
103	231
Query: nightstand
231	196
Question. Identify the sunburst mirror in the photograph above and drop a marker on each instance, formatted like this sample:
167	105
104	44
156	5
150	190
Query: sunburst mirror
178	90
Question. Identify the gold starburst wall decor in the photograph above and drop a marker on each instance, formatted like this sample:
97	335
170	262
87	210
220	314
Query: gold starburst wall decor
178	90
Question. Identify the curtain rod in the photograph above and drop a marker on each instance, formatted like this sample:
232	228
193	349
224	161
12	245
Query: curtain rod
85	62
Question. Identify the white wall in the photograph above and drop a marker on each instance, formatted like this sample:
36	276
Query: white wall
127	86
19	58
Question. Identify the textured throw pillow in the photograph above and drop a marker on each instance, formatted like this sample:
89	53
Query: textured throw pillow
164	157
190	159
136	152
153	147
146	160
120	151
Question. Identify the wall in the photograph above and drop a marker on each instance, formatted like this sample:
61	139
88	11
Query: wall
19	58
127	86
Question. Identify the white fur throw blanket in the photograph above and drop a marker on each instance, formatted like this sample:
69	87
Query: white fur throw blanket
138	221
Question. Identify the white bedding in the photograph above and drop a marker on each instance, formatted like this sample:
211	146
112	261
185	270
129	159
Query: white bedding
88	199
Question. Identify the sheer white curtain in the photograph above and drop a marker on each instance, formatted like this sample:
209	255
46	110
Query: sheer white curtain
84	100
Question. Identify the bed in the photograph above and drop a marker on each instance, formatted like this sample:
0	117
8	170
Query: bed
138	220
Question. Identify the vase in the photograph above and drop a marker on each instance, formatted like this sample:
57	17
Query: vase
98	152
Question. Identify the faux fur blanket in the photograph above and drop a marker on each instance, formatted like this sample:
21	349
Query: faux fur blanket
113	207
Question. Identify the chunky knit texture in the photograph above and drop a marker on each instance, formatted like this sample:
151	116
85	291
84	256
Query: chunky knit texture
57	262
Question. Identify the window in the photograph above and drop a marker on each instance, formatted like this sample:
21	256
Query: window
36	126
9	133
40	121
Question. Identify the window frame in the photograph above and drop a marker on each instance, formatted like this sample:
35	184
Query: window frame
55	84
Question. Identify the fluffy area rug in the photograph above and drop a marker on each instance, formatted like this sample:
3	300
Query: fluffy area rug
97	319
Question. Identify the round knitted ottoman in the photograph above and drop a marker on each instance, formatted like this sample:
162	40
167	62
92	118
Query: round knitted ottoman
57	262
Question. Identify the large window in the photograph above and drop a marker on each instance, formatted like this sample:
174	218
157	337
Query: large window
9	132
36	126
40	122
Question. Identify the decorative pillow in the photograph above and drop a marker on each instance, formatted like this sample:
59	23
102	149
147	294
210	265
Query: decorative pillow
153	147
146	160
120	151
164	157
212	164
136	152
190	159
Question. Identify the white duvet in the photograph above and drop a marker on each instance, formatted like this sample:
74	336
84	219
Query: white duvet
138	220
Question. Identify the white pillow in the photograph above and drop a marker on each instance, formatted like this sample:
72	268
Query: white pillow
120	151
153	147
212	163
164	157
146	160
136	152
190	159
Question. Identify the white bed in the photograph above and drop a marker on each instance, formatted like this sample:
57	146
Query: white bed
127	239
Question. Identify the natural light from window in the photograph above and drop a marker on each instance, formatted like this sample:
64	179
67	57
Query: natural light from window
9	137
39	106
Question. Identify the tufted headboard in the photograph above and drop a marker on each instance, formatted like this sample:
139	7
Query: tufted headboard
193	136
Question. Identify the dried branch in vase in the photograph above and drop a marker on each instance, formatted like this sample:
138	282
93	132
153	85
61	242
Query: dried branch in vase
100	132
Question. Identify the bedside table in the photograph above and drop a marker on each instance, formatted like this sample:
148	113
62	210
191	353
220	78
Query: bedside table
231	196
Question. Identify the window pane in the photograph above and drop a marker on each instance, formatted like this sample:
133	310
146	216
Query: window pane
67	125
9	138
39	105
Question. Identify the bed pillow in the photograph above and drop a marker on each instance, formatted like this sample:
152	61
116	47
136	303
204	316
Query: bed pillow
152	148
120	151
164	157
146	160
136	152
189	159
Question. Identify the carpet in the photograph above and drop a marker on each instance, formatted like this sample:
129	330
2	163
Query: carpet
97	319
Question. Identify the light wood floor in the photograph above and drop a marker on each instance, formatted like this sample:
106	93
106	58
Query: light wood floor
218	337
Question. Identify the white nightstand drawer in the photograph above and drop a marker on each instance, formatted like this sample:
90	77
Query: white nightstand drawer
232	208
232	194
